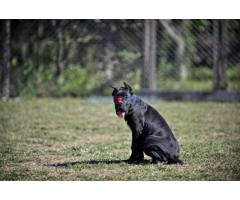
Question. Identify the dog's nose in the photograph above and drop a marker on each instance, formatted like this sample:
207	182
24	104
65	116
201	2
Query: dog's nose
118	100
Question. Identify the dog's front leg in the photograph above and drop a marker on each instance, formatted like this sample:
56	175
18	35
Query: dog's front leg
137	152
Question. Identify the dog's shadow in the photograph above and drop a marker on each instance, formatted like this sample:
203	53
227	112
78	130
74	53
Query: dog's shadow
94	162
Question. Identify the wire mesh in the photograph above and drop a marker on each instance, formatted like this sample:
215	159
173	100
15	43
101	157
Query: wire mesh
46	55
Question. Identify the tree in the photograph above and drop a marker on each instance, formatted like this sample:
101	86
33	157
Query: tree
60	61
6	60
39	45
219	55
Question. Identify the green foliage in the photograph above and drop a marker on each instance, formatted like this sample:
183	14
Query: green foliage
167	70
128	56
201	73
77	81
200	78
233	73
39	83
35	45
184	85
73	81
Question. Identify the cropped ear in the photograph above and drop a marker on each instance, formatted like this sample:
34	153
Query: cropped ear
114	92
128	87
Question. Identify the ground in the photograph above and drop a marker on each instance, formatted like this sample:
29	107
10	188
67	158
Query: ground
76	139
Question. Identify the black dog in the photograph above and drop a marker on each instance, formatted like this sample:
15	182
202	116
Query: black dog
150	132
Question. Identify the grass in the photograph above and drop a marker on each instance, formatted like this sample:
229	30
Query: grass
53	139
205	85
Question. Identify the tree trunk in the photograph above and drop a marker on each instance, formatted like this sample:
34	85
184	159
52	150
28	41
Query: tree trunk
181	55
6	60
149	51
109	59
60	54
179	39
39	46
220	81
60	64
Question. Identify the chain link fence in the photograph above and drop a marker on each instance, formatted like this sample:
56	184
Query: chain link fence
186	54
83	57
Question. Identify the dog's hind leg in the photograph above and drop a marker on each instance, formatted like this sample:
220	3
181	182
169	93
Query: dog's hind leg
161	149
156	154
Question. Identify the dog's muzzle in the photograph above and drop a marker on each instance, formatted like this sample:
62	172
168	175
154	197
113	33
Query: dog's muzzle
118	100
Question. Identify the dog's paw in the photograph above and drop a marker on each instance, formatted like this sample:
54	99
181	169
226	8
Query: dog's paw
135	161
154	161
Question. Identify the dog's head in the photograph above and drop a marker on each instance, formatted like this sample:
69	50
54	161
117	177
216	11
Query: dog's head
121	99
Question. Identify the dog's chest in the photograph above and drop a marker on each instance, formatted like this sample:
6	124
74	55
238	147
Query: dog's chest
135	123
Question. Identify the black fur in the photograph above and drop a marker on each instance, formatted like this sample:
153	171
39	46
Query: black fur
150	132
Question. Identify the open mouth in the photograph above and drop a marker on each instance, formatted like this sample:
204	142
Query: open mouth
118	100
120	114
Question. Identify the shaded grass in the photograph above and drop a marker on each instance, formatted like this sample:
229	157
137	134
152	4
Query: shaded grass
72	139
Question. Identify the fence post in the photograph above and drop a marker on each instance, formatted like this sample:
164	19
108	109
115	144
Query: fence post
149	51
219	55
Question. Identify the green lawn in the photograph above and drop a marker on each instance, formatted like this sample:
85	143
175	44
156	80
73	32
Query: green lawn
53	139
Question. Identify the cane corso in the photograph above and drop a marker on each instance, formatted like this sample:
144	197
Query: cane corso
150	132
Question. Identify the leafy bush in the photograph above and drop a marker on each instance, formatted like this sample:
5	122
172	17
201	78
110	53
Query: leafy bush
233	73
128	56
167	70
200	78
77	81
201	73
73	81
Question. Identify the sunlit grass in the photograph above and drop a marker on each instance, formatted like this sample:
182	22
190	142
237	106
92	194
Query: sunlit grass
38	134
